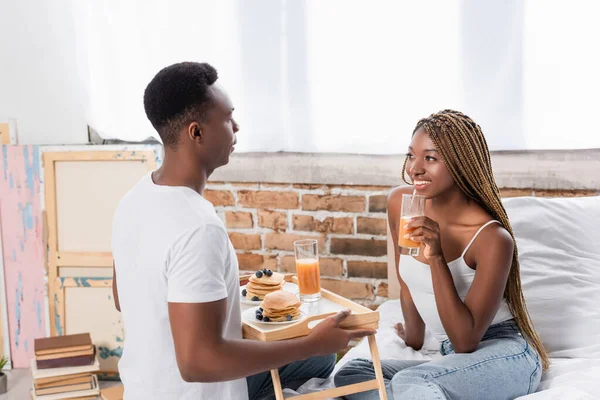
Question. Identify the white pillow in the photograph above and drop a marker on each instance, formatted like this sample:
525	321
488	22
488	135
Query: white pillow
559	251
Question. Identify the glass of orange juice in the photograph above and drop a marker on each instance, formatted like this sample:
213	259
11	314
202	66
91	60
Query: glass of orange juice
307	269
412	206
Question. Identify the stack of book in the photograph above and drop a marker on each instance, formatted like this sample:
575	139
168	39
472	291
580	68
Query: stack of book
64	368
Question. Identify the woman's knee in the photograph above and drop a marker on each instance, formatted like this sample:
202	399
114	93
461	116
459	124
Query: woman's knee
413	384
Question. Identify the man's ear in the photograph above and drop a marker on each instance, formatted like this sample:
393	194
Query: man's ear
195	131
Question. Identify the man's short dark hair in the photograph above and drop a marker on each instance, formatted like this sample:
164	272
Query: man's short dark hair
178	95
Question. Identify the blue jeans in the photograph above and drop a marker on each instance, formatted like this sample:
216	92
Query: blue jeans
504	366
292	376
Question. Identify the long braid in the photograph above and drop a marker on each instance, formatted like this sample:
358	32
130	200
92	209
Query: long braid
464	150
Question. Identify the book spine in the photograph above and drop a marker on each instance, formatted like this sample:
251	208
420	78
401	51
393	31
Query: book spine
65	362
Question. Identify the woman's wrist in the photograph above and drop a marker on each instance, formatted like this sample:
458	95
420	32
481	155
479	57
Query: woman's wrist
437	260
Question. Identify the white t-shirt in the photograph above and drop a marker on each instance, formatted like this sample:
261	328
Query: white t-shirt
170	246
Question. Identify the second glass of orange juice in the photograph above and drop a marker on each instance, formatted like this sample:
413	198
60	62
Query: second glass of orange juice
412	206
307	269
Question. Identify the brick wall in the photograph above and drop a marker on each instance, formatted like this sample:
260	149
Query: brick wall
349	222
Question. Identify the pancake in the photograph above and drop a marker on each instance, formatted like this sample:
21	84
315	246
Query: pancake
280	306
274	280
250	295
278	316
262	290
293	313
280	300
259	287
281	319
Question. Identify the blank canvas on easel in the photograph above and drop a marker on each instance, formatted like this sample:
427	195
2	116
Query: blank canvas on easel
83	189
91	309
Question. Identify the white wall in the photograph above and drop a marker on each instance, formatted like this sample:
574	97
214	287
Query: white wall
39	84
528	84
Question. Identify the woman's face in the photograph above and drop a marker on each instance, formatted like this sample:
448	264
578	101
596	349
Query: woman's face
426	168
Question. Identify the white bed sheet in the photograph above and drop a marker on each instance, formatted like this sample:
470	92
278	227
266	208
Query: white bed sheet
567	379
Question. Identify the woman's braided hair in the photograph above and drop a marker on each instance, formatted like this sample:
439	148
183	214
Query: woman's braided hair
464	149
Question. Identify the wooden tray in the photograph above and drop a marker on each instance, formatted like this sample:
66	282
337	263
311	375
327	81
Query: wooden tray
329	304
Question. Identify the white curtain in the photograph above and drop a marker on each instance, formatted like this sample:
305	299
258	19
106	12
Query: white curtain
353	76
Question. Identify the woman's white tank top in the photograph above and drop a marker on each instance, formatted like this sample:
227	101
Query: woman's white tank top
417	277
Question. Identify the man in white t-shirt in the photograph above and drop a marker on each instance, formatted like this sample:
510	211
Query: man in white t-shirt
178	284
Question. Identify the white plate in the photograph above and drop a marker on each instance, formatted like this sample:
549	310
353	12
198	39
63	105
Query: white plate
288	287
250	316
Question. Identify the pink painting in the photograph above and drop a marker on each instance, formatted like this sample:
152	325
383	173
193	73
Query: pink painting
22	249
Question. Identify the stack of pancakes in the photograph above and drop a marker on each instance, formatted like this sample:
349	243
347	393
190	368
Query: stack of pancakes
259	287
281	306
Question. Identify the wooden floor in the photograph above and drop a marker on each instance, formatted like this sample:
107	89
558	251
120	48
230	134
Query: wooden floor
19	385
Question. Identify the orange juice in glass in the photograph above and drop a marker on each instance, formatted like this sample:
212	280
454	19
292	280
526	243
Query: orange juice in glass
307	269
412	206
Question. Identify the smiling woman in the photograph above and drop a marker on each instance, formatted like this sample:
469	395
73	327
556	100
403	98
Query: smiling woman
465	285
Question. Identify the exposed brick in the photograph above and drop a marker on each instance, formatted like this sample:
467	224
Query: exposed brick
303	222
219	197
238	219
382	289
565	193
366	188
378	203
268	199
343	225
331	266
270	262
253	262
515	192
371	226
360	247
314	202
242	241
309	186
285	241
272	219
509	192
328	225
287	264
253	185
328	266
348	289
215	183
367	269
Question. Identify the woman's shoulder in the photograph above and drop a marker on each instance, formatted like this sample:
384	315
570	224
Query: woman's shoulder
394	202
494	237
396	193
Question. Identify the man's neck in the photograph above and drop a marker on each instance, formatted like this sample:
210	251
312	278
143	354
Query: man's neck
177	170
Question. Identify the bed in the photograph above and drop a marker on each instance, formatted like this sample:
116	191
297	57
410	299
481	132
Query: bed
559	247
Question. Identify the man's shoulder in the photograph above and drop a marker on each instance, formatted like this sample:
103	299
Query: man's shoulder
133	195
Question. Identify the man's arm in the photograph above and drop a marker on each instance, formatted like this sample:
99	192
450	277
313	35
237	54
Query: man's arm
203	355
114	289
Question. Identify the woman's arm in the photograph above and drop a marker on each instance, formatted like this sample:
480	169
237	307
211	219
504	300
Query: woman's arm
466	323
414	327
